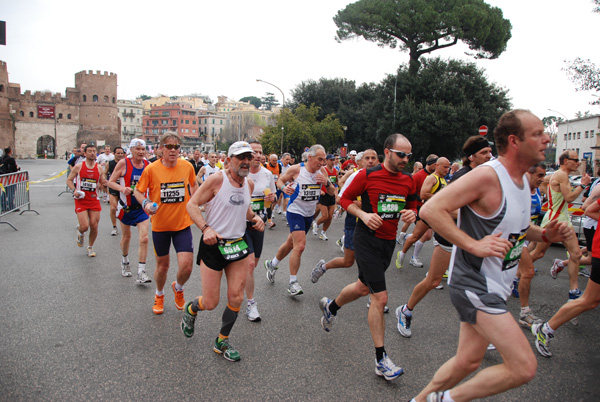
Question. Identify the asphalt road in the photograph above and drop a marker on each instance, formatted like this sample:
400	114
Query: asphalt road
71	328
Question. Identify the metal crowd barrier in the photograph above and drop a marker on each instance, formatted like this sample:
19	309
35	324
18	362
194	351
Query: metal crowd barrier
14	194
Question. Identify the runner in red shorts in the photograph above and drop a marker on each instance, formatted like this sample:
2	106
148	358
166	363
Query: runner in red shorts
85	180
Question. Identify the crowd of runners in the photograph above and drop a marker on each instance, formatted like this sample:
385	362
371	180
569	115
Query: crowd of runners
486	238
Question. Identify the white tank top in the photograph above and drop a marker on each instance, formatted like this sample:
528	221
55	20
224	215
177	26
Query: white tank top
226	212
262	179
306	193
493	274
208	170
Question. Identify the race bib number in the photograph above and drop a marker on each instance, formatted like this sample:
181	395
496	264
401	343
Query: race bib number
390	205
257	203
310	192
511	259
88	185
134	180
333	180
233	250
171	193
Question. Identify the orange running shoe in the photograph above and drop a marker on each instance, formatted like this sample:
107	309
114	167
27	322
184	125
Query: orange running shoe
179	300
159	304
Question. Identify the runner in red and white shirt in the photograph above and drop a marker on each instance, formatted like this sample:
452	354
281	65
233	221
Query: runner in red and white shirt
85	180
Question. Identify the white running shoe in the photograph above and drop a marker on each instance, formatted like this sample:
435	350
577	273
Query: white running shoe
400	259
315	228
142	278
114	231
340	243
125	270
294	289
91	252
252	311
323	236
415	262
318	271
387	369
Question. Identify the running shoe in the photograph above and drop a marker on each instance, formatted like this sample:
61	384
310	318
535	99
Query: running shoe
386	309
328	319
315	228
542	340
179	299
223	347
491	346
340	243
79	238
440	287
584	272
400	259
435	396
401	239
445	276
294	289
270	271
387	369
317	271
125	270
556	268
528	319
415	262
252	311
159	304
403	322
91	252
574	295
272	225
323	236
142	278
188	321
114	231
515	287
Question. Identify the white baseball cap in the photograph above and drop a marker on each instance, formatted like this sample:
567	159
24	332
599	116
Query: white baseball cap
136	142
238	148
353	152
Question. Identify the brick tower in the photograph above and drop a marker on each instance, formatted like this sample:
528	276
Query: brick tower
7	133
98	111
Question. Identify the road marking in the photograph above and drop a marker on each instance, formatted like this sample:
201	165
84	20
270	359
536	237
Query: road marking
49	178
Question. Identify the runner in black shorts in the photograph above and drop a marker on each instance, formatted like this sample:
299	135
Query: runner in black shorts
387	195
326	205
223	247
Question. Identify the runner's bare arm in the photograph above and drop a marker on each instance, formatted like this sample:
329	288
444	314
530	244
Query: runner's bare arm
72	176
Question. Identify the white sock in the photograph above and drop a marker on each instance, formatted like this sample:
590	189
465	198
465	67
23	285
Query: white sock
407	312
292	278
275	262
178	287
546	328
418	246
525	309
446	397
141	267
250	301
324	266
125	259
160	292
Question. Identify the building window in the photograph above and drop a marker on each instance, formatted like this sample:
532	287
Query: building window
22	114
69	116
187	130
84	98
114	99
213	121
587	133
95	99
1	88
174	122
60	115
30	114
579	135
565	136
105	99
569	135
194	131
592	134
187	122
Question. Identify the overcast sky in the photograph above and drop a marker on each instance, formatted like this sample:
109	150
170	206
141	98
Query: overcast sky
214	48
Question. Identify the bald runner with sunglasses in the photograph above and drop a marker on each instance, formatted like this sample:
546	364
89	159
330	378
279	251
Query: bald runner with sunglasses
170	183
387	195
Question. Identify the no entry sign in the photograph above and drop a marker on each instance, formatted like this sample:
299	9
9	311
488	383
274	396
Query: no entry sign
483	130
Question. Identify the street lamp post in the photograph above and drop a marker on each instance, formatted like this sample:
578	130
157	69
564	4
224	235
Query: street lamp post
282	106
567	135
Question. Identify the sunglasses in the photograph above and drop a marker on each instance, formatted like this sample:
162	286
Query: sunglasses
573	159
248	156
401	154
172	146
